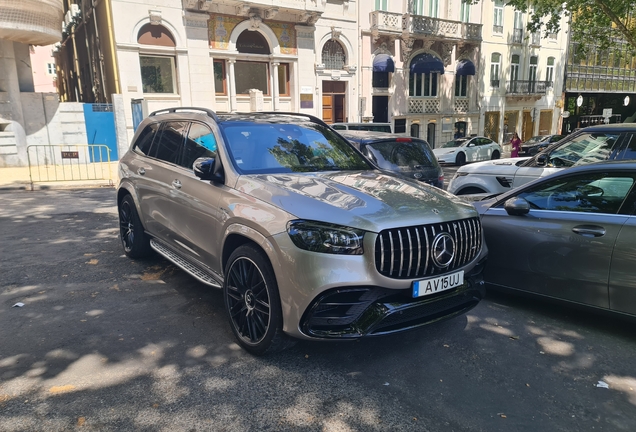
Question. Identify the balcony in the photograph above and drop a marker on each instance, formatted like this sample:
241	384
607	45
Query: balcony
417	25
527	88
424	105
498	29
535	39
386	22
517	36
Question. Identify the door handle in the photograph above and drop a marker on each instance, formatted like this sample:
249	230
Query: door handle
176	184
141	171
589	230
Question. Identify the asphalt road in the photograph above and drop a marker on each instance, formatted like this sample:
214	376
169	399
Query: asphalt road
104	343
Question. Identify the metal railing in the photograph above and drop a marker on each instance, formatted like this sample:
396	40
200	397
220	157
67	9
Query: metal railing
68	163
517	36
527	87
396	23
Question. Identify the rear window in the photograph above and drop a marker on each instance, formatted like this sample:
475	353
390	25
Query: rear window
144	141
282	148
401	156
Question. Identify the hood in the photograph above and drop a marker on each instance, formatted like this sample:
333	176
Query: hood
494	167
368	200
445	150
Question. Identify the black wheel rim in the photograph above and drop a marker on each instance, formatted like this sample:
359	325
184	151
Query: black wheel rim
126	226
248	300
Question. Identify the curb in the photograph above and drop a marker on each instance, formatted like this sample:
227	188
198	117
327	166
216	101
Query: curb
55	186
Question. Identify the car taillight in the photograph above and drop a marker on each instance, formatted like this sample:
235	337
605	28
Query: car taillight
403	140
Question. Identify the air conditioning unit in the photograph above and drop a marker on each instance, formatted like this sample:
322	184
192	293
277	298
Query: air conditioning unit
75	10
68	18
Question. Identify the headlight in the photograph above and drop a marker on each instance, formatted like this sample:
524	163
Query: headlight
326	238
459	174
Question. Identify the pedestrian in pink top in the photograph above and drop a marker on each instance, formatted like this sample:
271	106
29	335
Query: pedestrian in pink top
516	146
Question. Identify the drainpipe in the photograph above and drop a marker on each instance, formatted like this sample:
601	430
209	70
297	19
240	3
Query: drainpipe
113	53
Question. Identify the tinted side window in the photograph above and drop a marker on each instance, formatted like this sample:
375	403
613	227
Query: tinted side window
143	143
629	148
584	149
339	127
200	142
168	147
588	193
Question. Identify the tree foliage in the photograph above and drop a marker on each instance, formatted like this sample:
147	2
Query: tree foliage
603	23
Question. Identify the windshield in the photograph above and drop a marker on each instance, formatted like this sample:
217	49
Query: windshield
535	140
257	148
455	143
401	156
584	149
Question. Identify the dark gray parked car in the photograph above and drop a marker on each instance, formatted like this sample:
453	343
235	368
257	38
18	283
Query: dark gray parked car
410	157
305	237
569	236
538	143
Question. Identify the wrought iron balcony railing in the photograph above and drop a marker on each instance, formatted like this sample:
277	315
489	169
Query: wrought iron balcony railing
518	87
517	36
389	22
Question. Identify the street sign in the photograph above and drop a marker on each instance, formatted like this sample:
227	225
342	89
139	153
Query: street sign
607	112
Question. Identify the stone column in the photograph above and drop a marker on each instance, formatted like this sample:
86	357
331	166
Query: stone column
11	116
231	85
276	90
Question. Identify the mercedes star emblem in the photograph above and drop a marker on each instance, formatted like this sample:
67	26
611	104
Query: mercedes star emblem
443	250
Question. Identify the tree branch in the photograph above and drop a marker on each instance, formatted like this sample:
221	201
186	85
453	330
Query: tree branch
616	20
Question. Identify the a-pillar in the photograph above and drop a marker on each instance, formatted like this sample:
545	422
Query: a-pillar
231	85
11	105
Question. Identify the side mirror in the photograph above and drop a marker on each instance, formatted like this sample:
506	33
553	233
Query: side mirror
517	206
204	168
542	159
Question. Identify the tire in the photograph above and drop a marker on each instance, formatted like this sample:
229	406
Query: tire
470	190
252	302
133	238
495	155
460	159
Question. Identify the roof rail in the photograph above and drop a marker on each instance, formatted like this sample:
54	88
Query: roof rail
209	112
309	116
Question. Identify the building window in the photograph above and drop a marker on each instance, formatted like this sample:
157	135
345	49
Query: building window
464	11
283	79
495	67
220	86
158	74
549	72
381	5
417	7
380	79
423	84
333	55
433	8
461	85
498	17
532	73
251	75
252	42
514	68
399	126
50	68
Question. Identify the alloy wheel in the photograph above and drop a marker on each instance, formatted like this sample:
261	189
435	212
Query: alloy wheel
248	300
126	225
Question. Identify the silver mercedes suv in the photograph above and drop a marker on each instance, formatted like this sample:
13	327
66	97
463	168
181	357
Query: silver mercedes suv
305	237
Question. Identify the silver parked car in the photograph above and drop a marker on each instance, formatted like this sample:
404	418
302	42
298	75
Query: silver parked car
570	236
303	235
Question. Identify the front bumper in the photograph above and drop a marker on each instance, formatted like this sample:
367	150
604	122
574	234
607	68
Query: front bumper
449	158
354	312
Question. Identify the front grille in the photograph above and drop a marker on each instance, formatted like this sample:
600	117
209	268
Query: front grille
406	253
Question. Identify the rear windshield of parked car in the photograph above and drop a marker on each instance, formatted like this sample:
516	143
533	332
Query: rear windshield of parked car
401	156
257	148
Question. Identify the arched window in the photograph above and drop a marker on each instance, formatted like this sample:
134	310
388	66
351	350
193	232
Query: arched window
252	42
495	68
333	55
158	72
155	35
424	72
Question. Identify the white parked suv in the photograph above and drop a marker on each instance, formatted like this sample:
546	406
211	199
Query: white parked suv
592	144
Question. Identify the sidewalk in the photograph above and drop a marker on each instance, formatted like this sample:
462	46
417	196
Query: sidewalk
42	178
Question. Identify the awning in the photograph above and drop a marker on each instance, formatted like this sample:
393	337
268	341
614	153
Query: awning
426	63
465	67
383	63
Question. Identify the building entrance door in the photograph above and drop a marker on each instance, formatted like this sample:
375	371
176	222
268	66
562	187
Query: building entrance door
491	127
380	109
334	101
528	126
430	134
545	123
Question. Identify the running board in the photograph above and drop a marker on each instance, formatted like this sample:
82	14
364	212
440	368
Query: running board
185	265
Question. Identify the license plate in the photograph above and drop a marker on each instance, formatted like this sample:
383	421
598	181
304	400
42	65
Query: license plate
434	285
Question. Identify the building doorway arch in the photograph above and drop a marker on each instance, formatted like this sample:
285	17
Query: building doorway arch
415	130
430	134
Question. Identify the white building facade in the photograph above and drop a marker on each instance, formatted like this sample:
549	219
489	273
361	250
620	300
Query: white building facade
227	55
420	66
522	85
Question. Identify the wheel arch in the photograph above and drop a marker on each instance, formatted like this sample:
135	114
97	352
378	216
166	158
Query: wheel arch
237	235
127	189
